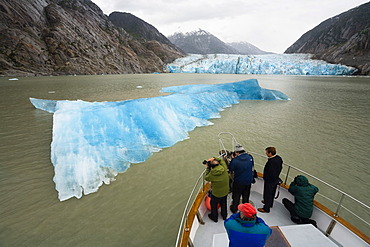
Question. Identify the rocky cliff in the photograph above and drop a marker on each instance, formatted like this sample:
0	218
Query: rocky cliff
57	37
147	33
343	39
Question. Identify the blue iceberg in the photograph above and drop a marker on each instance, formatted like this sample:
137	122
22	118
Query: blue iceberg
94	141
272	64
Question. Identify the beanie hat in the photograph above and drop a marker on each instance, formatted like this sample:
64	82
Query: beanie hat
239	148
247	209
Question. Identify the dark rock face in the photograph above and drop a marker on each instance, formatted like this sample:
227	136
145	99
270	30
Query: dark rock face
147	34
58	37
201	42
343	39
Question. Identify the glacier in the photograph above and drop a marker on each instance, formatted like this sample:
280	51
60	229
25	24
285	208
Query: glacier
271	64
94	141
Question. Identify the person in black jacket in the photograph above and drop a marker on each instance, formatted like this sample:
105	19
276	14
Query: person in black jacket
271	174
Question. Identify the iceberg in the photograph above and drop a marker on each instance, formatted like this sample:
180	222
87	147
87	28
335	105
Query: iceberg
271	64
94	141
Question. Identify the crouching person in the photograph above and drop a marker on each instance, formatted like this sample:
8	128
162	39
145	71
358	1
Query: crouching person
304	193
246	229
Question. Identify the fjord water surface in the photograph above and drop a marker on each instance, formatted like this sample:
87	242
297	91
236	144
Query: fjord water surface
324	130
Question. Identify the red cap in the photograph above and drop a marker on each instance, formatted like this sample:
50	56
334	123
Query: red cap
247	209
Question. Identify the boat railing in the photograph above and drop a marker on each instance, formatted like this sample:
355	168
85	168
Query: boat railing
339	202
342	206
184	225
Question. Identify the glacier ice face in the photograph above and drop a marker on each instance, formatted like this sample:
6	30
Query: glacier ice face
46	105
284	64
94	141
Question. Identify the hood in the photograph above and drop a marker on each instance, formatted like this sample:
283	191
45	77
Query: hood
301	180
244	156
245	223
218	170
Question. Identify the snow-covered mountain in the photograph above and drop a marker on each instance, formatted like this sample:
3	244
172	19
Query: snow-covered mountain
246	48
201	42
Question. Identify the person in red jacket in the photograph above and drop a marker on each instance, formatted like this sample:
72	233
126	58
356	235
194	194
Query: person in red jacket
246	229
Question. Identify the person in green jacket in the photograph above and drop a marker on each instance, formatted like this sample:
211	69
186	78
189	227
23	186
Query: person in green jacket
304	193
217	174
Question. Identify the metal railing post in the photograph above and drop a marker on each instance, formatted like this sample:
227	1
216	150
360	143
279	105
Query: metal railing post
184	224
287	175
339	205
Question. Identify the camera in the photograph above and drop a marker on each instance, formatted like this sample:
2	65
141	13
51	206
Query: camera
209	163
206	162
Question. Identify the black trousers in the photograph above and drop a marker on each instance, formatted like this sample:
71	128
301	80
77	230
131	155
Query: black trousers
239	190
269	190
290	206
214	203
293	215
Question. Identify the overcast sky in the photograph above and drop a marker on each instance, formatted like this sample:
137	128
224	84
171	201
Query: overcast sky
271	25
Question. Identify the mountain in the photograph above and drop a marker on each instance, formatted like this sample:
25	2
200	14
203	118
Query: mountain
60	37
144	31
343	39
201	42
246	48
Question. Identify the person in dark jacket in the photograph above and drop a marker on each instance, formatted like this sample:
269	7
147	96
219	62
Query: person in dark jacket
246	229
304	193
271	174
216	173
241	168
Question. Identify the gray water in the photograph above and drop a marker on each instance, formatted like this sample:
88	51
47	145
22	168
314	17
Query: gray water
324	130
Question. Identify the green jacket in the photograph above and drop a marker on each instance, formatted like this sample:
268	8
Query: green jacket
304	193
219	178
